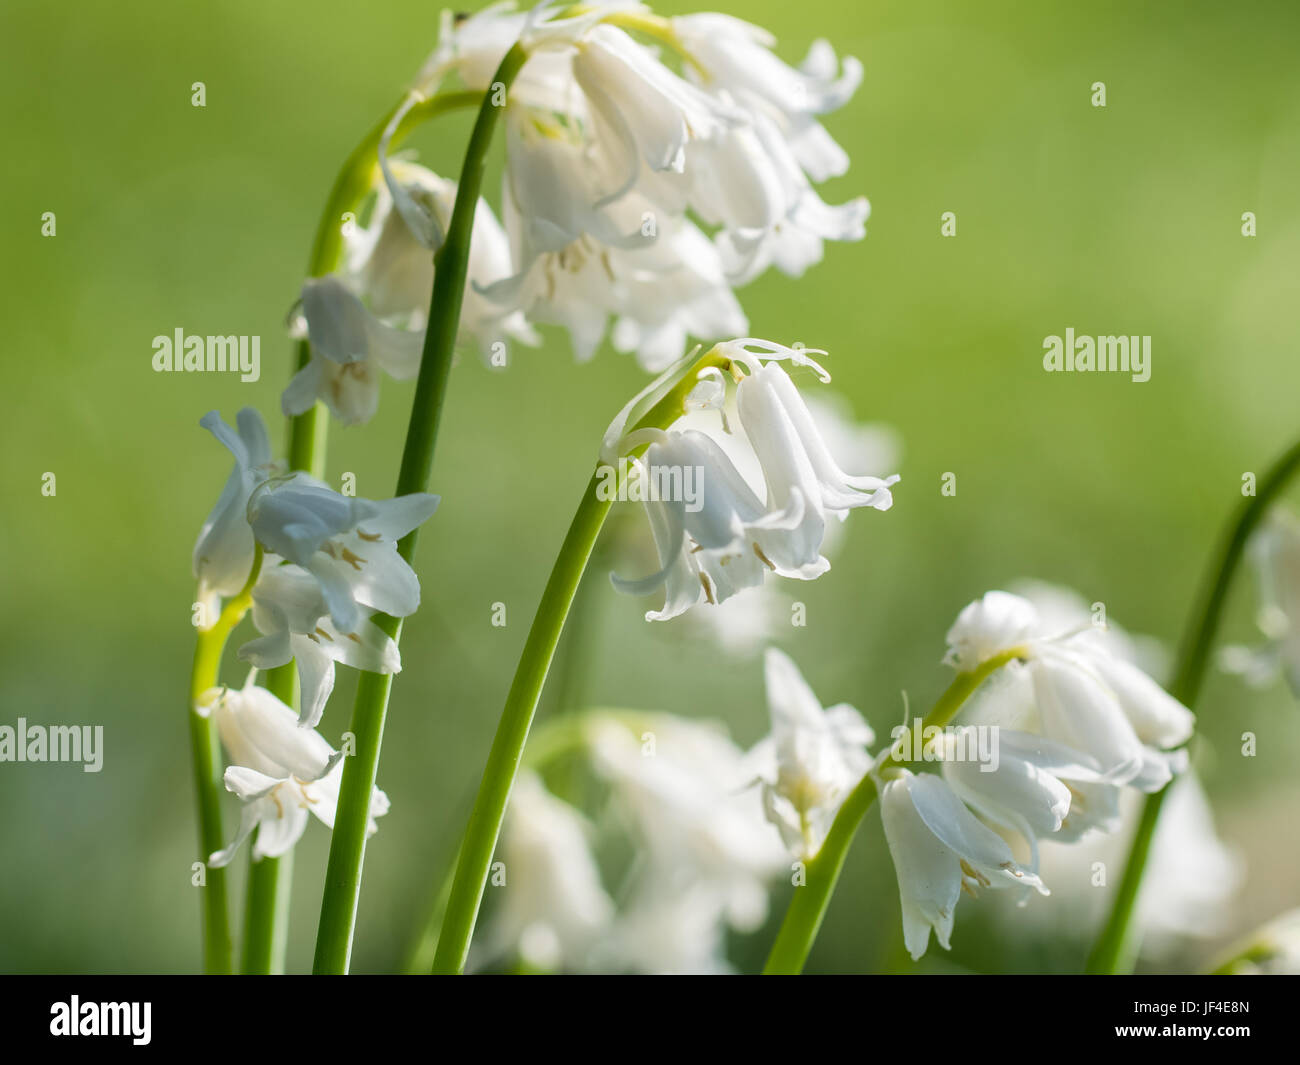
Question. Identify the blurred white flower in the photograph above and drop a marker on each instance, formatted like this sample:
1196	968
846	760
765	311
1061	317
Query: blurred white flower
1191	876
1275	552
940	849
665	933
553	906
290	610
349	545
723	538
579	263
812	759
1272	950
224	552
707	852
279	771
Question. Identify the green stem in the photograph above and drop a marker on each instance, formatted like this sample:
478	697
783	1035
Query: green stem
206	754
205	750
512	732
270	880
808	907
266	915
359	174
1117	947
451	268
485	821
266	910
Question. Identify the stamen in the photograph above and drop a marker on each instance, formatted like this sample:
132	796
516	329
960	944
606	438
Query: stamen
976	875
708	589
765	560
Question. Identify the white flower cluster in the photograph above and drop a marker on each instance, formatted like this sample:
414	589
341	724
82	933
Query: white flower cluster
652	164
328	562
1076	723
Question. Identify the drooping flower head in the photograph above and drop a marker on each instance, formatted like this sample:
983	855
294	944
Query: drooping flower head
328	563
718	530
940	849
281	772
1073	722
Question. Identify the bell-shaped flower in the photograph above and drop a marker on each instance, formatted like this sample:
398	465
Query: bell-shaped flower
1084	693
799	220
349	545
797	464
290	611
1028	789
1112	711
712	544
224	552
722	539
349	348
277	809
940	849
739	60
370	317
394	267
811	761
258	734
682	785
553	906
641	106
996	622
281	772
1078	721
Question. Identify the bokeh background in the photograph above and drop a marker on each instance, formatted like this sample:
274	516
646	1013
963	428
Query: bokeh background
1125	219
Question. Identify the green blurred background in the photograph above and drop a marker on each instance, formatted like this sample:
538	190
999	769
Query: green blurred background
1117	220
